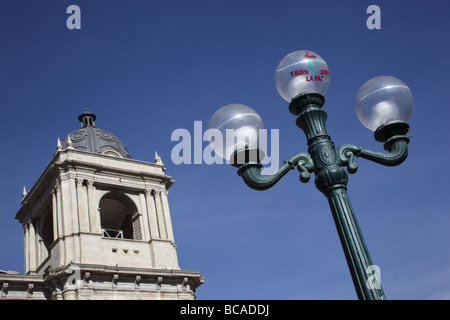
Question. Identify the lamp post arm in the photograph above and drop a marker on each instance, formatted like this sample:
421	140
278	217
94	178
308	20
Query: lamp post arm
251	171
393	134
397	147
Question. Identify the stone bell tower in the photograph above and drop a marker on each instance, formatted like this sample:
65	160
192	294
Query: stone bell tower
97	224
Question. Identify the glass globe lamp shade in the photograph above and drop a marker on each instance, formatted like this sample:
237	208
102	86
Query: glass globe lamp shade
301	72
234	127
383	99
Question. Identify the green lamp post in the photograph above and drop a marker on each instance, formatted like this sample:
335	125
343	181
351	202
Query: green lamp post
383	104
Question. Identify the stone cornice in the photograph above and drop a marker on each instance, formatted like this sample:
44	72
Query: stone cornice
194	278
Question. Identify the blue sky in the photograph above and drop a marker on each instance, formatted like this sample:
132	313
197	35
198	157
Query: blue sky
147	68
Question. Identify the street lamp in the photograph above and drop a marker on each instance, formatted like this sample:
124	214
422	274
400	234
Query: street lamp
383	104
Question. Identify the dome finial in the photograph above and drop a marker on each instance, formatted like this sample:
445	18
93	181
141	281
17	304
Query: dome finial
87	118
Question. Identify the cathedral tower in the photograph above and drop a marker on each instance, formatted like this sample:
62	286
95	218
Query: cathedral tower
97	225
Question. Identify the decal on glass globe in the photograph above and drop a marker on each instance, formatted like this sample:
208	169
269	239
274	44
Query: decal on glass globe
301	72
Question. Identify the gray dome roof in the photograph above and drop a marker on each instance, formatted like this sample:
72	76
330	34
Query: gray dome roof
96	140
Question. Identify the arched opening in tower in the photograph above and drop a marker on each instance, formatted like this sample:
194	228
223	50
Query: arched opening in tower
119	217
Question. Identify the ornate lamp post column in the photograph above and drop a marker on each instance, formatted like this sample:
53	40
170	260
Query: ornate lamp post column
302	77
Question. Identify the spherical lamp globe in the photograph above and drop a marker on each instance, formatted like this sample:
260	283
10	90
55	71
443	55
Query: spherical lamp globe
383	99
301	72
